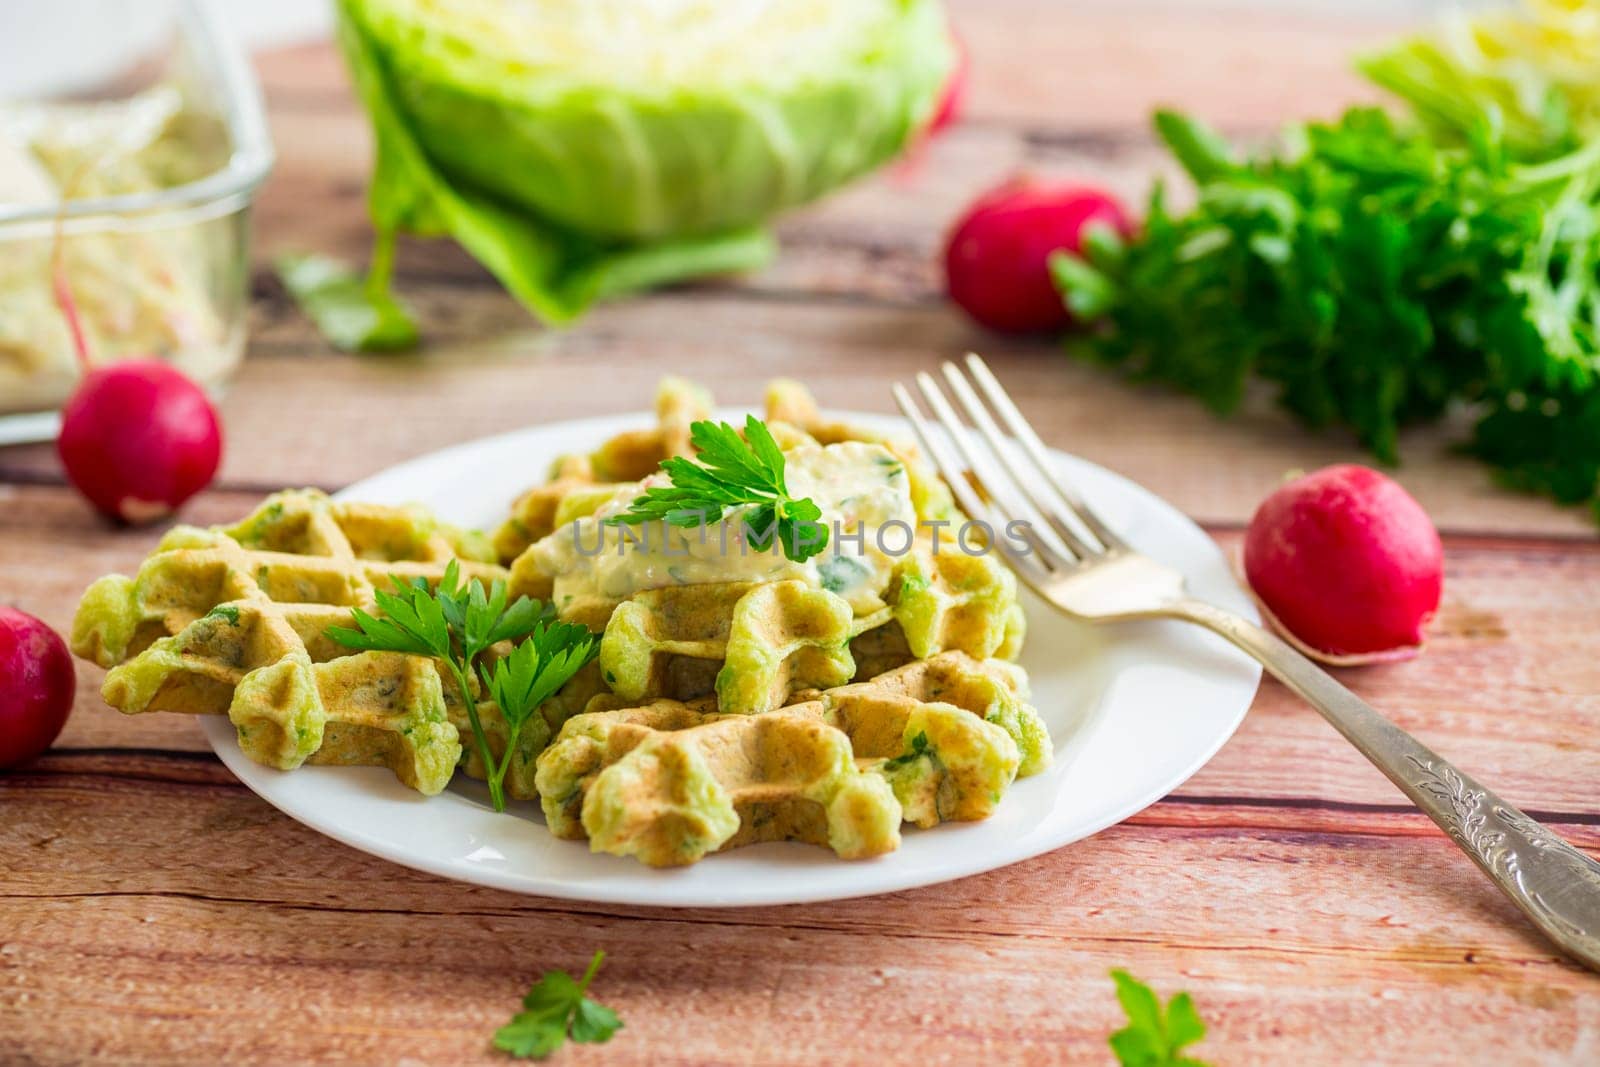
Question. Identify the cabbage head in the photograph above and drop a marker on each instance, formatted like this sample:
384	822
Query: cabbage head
584	148
1530	73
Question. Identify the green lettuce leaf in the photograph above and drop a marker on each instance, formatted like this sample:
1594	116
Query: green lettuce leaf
353	315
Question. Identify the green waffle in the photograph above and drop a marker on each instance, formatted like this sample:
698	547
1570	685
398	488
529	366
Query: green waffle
750	644
232	620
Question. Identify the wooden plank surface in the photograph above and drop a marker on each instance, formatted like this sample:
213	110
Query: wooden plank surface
152	910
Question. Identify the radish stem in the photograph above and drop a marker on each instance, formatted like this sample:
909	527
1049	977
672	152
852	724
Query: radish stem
69	308
60	287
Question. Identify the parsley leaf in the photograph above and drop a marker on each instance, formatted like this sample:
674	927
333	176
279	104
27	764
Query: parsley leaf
519	682
733	472
555	1009
354	315
1153	1037
457	624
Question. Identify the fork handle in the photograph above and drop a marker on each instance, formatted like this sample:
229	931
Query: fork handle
1555	884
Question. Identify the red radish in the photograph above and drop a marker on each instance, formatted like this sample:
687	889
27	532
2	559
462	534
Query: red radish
955	89
36	686
1347	564
997	261
138	438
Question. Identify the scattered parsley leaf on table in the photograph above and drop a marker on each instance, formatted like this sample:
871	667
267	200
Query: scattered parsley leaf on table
355	315
1154	1037
556	1009
456	624
732	471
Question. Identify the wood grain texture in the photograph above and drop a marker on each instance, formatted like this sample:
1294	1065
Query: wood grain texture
153	911
365	414
256	934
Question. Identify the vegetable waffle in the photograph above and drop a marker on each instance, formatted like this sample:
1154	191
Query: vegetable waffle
942	760
767	639
627	457
672	783
993	690
951	600
233	620
664	704
536	513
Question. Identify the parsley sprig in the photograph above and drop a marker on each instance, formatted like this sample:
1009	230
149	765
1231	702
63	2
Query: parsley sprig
733	472
555	1009
456	624
1154	1037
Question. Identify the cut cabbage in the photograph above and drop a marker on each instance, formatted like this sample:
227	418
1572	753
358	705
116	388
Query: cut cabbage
581	148
1533	72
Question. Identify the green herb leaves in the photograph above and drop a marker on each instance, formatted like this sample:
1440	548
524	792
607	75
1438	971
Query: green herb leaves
354	315
436	621
734	472
1375	276
229	612
457	624
1153	1037
556	1009
533	671
918	749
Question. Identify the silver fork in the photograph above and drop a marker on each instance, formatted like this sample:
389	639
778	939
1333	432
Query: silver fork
1064	552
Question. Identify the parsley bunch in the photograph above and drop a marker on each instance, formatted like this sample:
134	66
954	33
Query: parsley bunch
555	1009
456	624
733	472
1374	276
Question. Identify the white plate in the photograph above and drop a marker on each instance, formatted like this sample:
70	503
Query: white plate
1134	711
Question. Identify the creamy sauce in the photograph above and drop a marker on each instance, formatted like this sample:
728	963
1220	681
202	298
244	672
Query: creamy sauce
858	486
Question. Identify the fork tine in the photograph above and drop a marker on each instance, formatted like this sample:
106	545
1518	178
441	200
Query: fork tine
1022	431
1029	567
1026	483
1054	552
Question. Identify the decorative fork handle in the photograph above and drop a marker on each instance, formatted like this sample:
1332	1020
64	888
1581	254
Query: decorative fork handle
1557	886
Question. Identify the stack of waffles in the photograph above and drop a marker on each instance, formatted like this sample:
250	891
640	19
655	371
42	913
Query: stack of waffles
716	713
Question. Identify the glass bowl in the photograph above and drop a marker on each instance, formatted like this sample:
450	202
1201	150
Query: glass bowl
132	142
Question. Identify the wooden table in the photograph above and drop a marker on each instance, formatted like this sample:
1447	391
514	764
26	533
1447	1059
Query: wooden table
152	910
